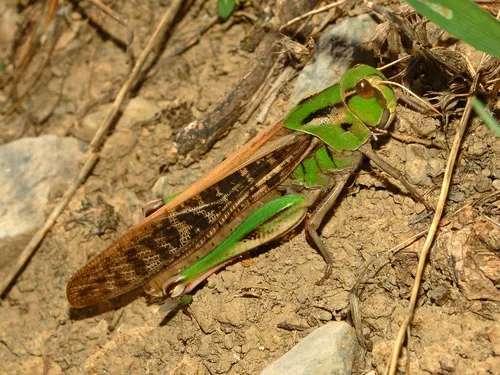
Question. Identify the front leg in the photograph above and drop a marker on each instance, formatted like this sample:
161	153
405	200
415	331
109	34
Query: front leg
314	220
367	150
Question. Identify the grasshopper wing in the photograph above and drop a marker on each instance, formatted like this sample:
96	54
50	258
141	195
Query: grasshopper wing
170	235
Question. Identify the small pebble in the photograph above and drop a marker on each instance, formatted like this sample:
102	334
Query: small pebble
486	172
322	315
483	185
301	297
440	294
98	330
202	105
477	148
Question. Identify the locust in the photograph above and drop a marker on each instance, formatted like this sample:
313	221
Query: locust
291	173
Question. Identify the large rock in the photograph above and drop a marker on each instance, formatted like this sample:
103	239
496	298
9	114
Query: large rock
338	49
327	350
31	171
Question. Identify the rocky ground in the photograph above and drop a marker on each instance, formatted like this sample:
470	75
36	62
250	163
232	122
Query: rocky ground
235	323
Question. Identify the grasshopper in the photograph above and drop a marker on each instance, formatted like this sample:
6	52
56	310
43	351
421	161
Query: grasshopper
290	173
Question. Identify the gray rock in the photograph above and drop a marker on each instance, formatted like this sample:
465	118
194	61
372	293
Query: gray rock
338	49
327	350
32	170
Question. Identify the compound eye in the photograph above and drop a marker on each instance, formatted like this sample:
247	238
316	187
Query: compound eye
364	89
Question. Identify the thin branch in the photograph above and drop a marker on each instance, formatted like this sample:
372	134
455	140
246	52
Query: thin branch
424	103
273	92
312	12
432	231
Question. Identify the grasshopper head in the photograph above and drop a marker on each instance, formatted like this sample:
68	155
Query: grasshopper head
371	100
341	115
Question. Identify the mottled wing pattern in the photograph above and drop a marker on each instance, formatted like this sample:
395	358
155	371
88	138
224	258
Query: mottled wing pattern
166	238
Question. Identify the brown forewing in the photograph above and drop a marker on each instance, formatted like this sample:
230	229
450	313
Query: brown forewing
169	236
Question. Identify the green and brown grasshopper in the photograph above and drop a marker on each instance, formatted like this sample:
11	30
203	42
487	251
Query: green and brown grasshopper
290	173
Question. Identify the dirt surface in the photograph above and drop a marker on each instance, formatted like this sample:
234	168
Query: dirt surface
232	324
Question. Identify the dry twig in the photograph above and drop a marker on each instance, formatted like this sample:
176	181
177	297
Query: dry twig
30	50
123	21
273	92
311	13
432	231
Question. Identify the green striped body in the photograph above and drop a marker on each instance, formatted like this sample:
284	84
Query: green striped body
315	171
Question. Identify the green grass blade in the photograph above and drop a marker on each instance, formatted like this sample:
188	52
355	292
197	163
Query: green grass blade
486	116
465	20
225	8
